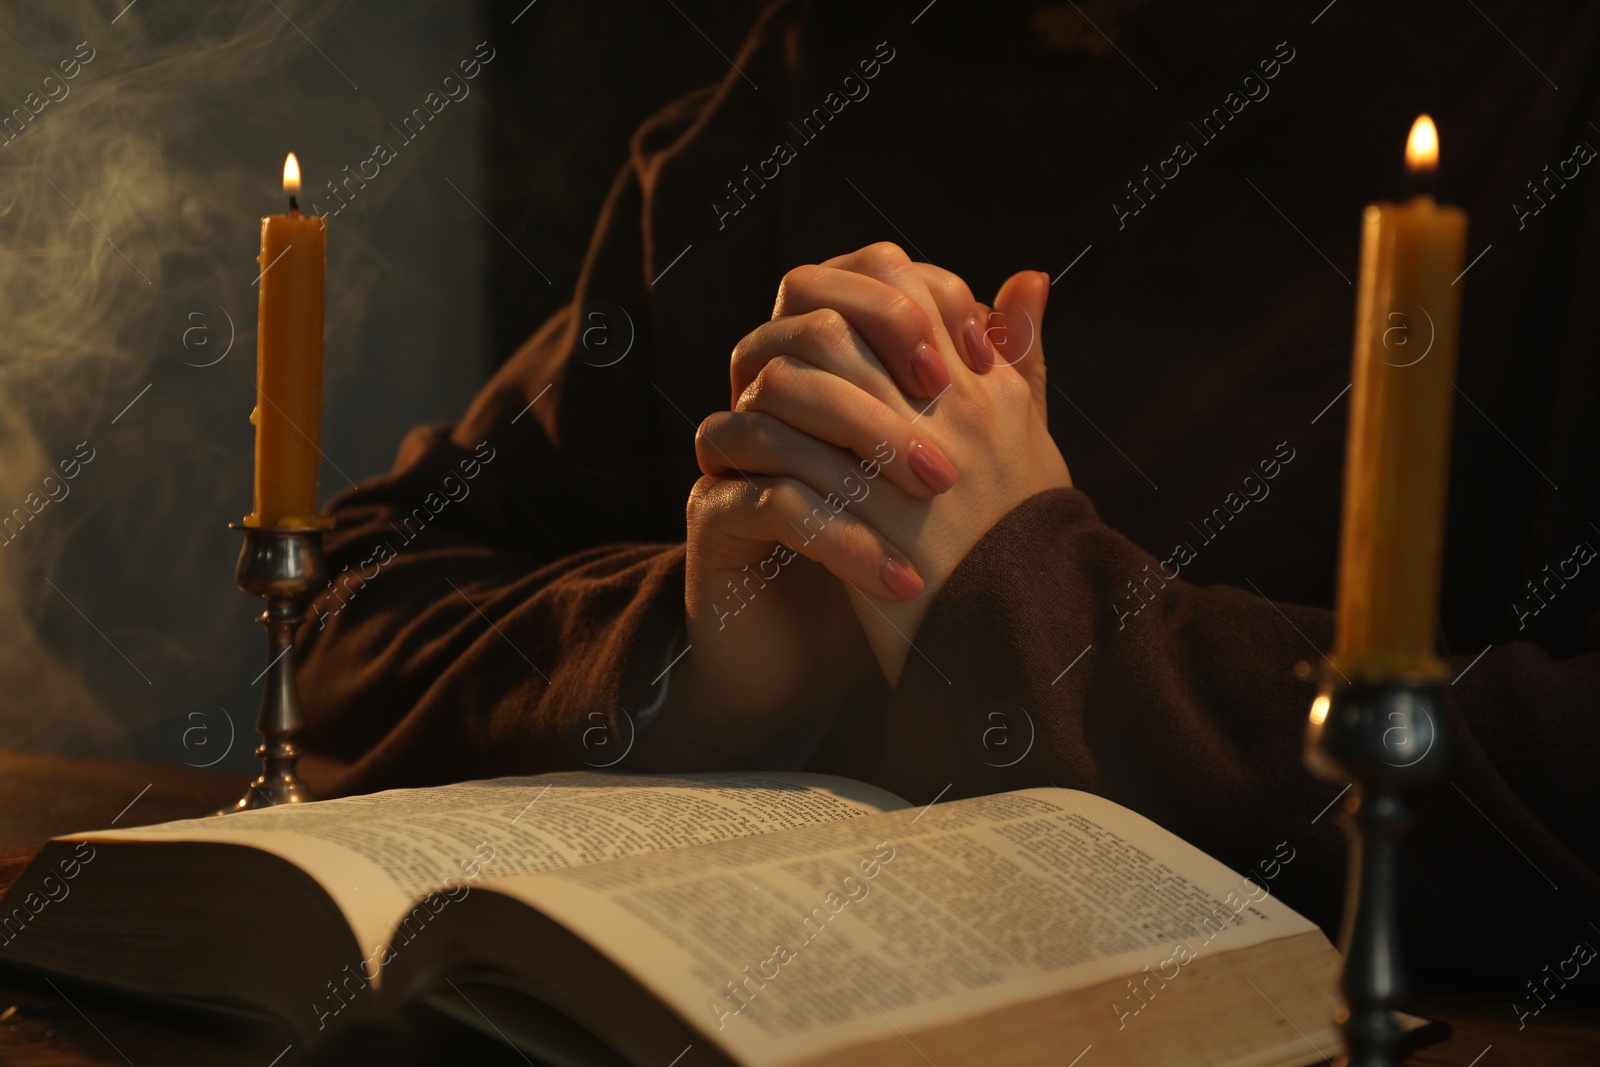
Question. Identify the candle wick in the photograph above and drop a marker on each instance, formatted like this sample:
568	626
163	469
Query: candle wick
294	205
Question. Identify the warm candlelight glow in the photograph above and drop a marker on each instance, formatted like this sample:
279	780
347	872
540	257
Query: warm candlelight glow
1422	147
291	175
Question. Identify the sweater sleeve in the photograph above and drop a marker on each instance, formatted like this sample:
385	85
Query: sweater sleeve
1060	653
472	627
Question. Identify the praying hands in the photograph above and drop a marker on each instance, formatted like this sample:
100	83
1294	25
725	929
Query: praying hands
880	424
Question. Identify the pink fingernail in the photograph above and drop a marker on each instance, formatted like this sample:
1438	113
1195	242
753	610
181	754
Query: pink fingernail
929	464
929	370
977	345
903	582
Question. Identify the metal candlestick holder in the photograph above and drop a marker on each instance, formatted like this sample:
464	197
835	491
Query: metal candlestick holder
1387	739
285	567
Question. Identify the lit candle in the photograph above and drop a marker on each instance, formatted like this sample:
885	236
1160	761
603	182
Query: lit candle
288	412
1398	454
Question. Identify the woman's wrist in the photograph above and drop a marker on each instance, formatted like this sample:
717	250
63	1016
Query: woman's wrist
693	730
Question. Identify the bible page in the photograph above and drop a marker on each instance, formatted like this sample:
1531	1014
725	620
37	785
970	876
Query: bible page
787	947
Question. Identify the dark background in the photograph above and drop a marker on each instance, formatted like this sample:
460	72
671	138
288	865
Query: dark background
561	116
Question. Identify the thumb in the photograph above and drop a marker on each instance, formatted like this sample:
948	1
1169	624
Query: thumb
1017	327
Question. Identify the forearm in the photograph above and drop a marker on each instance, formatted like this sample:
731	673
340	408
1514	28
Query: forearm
711	718
690	731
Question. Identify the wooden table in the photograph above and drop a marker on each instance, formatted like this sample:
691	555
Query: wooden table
46	1024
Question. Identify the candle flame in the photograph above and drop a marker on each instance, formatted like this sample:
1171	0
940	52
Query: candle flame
1422	147
291	176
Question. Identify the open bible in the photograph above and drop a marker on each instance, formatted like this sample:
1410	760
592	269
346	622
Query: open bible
756	919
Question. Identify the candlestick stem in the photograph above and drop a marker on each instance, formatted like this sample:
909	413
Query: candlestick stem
284	566
1388	741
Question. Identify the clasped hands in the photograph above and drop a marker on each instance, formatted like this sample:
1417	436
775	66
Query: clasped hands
879	425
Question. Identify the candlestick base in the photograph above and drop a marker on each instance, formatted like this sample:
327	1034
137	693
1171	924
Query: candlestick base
284	566
1388	740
